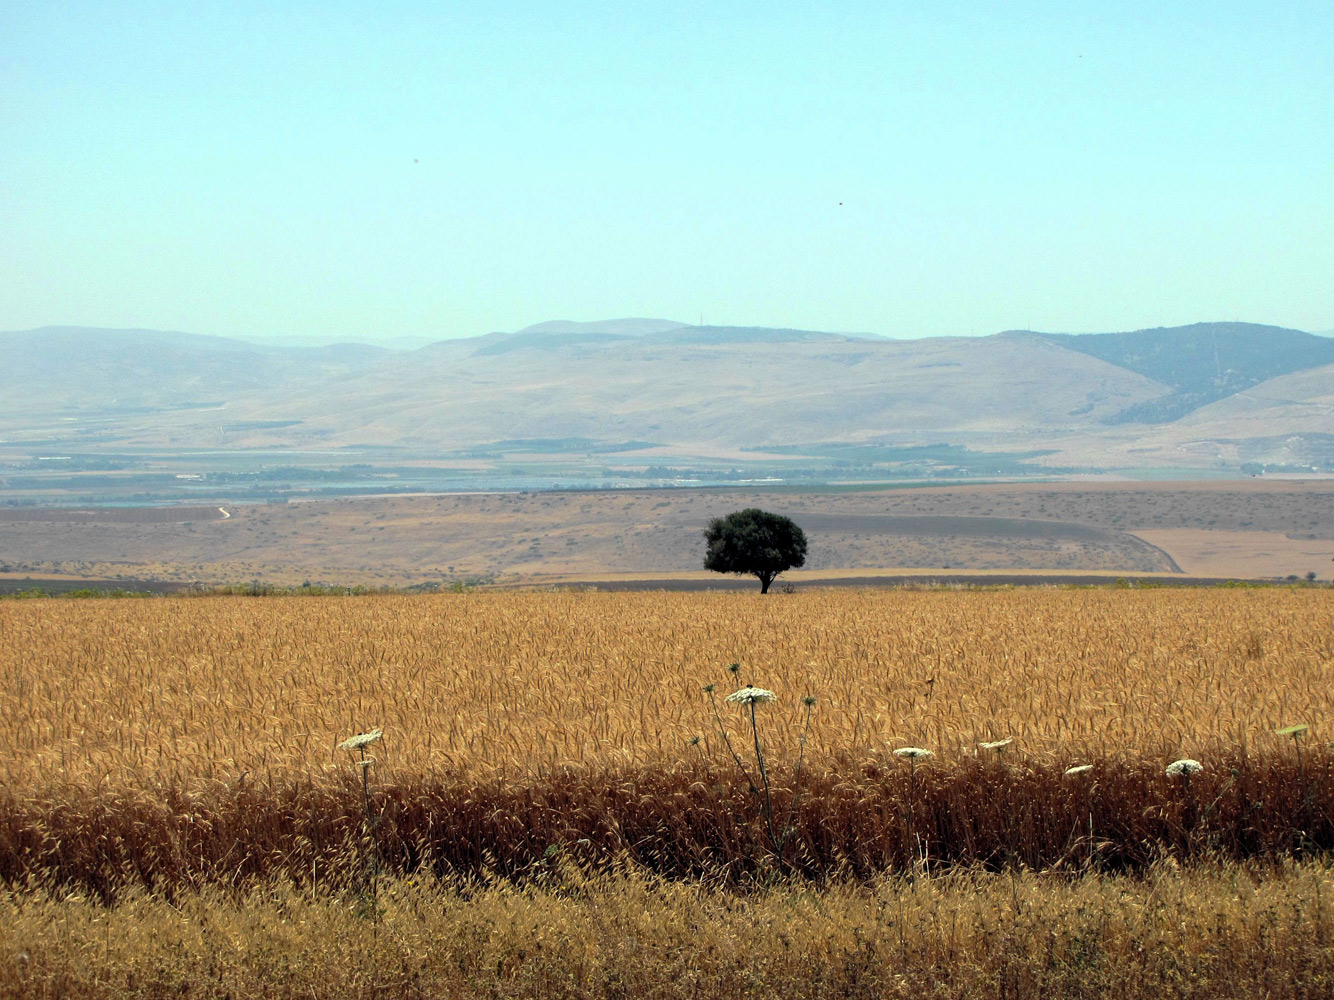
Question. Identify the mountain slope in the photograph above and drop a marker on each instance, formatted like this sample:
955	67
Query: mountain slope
632	327
1304	400
751	335
1286	421
79	368
704	390
1202	362
733	394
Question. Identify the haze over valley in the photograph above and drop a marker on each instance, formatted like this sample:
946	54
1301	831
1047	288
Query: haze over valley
650	402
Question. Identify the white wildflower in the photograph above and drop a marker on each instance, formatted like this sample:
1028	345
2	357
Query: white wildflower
1185	767
751	695
998	744
1293	731
1079	769
360	740
912	753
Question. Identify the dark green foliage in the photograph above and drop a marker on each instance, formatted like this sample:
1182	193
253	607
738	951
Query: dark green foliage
756	542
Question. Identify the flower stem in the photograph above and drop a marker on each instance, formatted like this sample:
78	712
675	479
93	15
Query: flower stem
912	844
370	831
713	704
764	777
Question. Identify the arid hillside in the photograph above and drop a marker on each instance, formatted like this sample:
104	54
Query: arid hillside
1208	395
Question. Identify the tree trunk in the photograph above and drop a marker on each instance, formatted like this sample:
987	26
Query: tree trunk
765	580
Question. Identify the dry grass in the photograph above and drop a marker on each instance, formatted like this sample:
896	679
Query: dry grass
692	822
1206	932
1244	554
177	740
175	818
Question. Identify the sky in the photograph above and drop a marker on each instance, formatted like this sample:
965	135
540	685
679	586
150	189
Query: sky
396	170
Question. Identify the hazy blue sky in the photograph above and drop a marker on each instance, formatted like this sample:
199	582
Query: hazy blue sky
439	169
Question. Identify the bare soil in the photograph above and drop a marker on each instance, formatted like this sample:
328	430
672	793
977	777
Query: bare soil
1118	528
1245	553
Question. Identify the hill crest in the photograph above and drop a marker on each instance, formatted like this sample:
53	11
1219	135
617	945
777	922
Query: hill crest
701	389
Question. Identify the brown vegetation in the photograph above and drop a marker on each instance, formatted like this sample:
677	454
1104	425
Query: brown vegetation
1204	933
556	812
178	738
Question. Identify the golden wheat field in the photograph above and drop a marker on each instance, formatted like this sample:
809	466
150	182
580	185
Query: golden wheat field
543	752
127	693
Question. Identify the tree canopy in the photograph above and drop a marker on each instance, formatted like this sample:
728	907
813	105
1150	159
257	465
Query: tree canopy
753	541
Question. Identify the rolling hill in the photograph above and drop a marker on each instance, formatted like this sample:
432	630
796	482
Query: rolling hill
1095	399
56	369
1202	362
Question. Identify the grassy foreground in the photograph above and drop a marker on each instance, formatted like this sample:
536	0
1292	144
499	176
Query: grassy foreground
555	809
1202	932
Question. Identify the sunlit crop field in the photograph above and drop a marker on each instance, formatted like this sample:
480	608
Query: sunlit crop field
131	692
173	765
175	737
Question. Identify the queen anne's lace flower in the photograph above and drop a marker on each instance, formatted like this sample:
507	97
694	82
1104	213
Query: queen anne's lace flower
1185	766
1294	731
360	740
750	695
998	744
1079	769
912	753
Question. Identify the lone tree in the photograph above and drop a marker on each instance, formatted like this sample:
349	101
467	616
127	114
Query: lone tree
754	541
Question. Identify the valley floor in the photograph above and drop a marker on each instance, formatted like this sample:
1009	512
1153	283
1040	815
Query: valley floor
1241	529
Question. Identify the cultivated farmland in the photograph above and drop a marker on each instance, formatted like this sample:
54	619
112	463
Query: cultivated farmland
562	744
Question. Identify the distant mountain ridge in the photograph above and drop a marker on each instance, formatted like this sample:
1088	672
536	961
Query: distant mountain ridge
1202	362
1187	394
58	367
631	327
752	335
560	334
